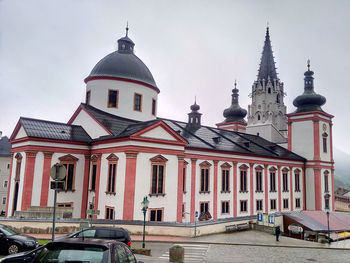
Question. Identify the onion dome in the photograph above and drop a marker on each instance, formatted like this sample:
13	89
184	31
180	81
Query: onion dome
195	107
235	112
309	100
123	64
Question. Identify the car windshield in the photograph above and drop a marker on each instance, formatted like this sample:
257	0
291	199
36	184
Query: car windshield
68	253
8	231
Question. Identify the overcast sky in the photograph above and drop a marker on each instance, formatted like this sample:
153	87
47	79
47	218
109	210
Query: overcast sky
193	48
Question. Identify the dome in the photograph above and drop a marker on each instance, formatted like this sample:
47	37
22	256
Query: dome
195	107
309	100
123	64
235	112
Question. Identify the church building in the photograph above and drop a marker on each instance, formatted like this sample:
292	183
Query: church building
117	151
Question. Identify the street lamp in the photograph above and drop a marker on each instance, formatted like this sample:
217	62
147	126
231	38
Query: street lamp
144	204
326	202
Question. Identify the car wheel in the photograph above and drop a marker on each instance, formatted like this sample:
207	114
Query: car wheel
13	249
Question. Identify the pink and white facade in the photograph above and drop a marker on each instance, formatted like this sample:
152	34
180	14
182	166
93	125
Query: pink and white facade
117	151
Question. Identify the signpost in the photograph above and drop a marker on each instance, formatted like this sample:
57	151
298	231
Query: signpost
58	173
195	223
260	217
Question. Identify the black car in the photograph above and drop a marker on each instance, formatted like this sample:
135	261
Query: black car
113	233
79	250
22	257
11	242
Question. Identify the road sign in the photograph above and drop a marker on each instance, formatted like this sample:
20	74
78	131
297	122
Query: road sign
58	172
295	229
57	185
196	214
92	212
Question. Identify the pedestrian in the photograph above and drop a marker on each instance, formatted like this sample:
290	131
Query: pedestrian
278	232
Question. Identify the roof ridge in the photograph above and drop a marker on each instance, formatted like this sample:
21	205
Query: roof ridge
107	113
54	122
174	122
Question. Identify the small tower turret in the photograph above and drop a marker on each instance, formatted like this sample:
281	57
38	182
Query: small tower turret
194	117
234	115
310	136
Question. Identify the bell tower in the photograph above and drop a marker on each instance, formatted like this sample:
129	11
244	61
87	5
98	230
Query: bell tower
310	135
266	114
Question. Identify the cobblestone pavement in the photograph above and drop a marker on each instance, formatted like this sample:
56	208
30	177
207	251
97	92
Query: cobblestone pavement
245	254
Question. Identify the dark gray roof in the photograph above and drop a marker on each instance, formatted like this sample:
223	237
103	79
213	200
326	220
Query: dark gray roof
123	63
54	130
230	141
5	147
202	138
309	100
112	123
267	65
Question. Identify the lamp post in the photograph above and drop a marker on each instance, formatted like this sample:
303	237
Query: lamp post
144	204
326	202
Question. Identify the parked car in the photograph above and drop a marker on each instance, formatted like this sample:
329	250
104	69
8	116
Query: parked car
79	250
11	242
22	257
113	233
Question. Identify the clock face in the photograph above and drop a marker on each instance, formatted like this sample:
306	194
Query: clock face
324	127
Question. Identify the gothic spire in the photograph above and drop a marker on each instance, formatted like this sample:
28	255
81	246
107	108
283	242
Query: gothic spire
267	65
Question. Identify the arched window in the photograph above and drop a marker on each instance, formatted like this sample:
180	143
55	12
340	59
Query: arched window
278	98
269	90
259	117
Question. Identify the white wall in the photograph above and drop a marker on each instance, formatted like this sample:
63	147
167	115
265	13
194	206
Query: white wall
143	184
70	196
117	200
99	98
325	156
20	190
310	183
303	139
90	125
37	179
4	176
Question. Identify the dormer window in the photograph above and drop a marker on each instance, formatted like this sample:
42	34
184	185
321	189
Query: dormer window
269	90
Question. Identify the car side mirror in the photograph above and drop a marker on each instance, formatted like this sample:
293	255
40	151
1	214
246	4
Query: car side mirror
1	235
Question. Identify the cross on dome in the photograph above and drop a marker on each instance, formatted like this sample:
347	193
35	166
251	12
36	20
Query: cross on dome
127	28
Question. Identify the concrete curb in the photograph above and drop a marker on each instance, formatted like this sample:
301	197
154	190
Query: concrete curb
239	244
